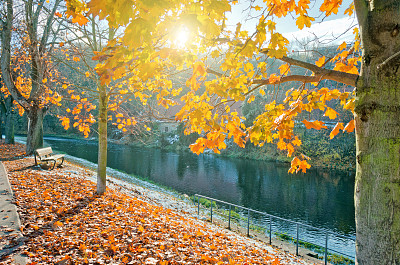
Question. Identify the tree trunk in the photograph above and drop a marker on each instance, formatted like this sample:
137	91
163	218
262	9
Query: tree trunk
2	114
377	114
10	115
1	125
34	138
102	156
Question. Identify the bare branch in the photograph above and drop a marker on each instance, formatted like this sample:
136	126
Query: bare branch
6	58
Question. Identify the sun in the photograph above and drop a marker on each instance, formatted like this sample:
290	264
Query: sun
181	37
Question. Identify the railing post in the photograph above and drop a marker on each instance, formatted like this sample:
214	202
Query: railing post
297	239
211	209
198	206
270	230
326	249
229	219
248	222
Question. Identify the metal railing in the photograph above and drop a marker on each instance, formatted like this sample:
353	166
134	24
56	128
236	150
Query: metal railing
276	218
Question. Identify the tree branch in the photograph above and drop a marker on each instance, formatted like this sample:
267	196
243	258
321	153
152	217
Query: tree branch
6	58
49	23
320	74
323	73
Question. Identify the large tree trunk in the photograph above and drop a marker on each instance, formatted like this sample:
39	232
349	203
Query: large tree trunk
34	137
377	189
10	116
102	156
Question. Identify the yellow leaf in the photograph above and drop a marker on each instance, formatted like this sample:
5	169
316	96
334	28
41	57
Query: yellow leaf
281	145
284	69
342	46
44	81
199	68
215	54
350	9
251	98
296	141
248	67
304	20
65	123
290	149
87	74
331	113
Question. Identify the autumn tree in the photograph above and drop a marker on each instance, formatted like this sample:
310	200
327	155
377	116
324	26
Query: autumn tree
79	52
38	31
147	46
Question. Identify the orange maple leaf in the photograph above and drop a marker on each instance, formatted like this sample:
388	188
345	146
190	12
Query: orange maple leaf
317	125
350	126
273	79
303	166
336	130
321	61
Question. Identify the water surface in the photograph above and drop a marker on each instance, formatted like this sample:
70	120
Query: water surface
321	198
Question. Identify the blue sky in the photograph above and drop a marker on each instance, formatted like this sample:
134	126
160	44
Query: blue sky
327	27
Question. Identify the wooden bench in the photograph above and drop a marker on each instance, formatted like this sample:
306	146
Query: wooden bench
43	156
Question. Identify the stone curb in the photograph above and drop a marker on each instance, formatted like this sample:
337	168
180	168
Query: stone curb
11	237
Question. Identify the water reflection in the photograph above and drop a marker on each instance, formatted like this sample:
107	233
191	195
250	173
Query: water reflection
320	198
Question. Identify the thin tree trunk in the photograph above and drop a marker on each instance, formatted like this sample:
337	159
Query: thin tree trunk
34	138
2	114
102	156
1	127
10	116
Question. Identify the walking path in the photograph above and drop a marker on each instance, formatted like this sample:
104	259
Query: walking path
10	235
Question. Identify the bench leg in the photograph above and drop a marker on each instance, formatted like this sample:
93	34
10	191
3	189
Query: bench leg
54	165
62	161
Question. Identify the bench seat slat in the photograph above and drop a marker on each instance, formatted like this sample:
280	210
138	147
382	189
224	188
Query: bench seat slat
52	157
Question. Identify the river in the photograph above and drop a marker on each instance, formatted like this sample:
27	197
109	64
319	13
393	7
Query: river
322	198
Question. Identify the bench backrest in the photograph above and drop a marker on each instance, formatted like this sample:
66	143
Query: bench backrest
43	152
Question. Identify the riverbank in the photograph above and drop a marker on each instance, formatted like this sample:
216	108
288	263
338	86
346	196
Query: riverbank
64	222
321	156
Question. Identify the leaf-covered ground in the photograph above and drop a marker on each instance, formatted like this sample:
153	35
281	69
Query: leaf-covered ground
11	151
65	223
